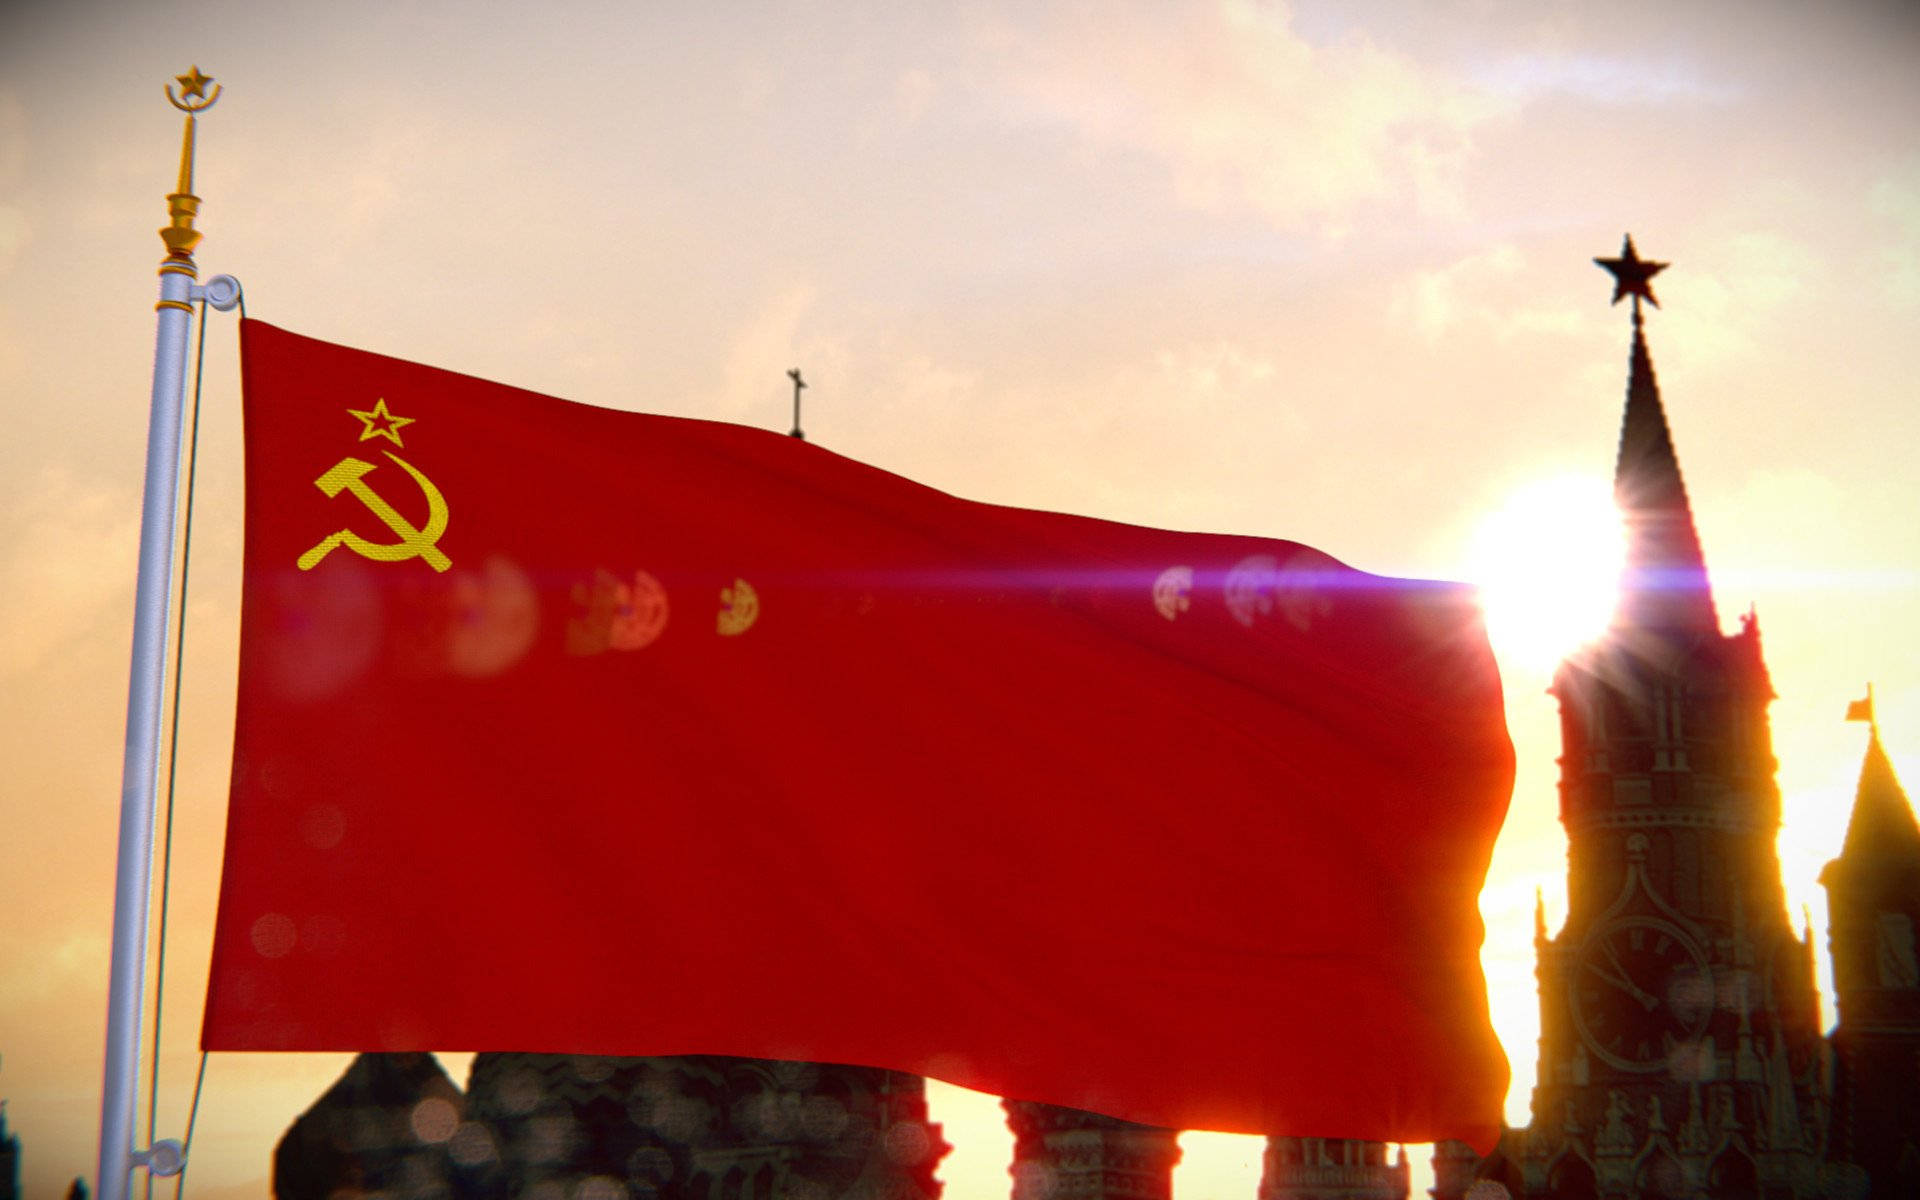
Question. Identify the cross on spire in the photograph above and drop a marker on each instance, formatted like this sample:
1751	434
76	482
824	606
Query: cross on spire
798	383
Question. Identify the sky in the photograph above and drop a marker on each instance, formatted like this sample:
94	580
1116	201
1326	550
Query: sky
1319	271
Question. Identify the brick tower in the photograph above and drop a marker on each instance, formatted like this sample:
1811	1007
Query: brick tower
1873	898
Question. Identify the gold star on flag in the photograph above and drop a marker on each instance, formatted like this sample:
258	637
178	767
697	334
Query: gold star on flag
379	422
193	84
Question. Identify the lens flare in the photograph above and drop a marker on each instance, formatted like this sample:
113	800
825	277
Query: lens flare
1547	562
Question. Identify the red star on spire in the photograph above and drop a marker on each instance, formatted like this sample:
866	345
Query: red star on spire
1632	275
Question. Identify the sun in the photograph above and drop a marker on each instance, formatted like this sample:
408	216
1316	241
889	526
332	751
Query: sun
1547	562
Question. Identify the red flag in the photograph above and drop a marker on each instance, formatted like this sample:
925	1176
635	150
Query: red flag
564	729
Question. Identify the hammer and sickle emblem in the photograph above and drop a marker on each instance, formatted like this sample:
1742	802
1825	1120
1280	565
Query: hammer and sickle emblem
348	475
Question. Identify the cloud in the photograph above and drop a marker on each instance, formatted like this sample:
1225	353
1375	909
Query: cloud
368	180
1772	269
1245	113
1609	79
758	82
1493	291
13	235
13	140
1896	201
912	92
1784	529
50	965
1733	289
1213	370
14	226
1433	301
764	348
62	566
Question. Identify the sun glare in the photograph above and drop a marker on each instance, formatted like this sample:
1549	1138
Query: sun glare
1547	562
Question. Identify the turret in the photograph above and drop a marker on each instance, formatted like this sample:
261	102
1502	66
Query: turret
1873	900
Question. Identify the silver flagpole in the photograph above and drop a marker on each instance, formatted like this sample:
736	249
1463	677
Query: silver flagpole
152	610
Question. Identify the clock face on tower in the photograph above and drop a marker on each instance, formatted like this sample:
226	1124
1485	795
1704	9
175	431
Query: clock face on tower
1639	989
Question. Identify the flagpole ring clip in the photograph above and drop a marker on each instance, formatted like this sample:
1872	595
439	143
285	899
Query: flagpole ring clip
165	1158
222	292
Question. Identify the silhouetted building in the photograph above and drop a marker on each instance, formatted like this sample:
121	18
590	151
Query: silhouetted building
1680	1053
1873	901
9	1159
692	1128
1301	1168
1066	1154
381	1130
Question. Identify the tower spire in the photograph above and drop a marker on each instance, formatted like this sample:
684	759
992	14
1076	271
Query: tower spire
1665	586
1882	823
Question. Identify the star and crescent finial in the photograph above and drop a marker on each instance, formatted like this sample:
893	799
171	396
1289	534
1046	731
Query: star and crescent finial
193	87
193	98
1632	276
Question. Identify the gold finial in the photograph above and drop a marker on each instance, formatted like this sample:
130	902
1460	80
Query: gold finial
182	205
193	86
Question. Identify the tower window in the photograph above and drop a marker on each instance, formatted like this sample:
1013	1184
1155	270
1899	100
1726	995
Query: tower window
1894	951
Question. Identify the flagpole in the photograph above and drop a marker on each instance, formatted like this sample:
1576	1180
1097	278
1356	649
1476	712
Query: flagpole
152	612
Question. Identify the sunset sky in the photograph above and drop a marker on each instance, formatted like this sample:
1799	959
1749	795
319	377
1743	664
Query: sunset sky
1317	271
